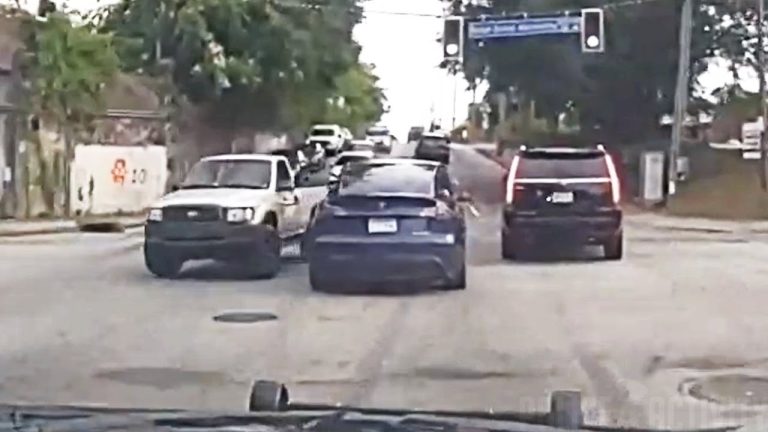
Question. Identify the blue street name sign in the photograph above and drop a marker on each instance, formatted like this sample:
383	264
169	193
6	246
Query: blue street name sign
523	27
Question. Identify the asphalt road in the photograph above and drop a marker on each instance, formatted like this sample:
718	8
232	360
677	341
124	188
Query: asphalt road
81	321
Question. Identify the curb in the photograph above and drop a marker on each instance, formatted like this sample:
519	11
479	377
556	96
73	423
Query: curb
67	229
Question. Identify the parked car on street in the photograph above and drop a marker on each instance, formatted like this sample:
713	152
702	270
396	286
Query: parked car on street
415	133
381	137
330	137
434	146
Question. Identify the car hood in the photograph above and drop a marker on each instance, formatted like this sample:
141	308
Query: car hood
322	138
99	419
224	197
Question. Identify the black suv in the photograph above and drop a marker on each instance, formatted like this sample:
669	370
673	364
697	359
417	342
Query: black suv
562	195
435	147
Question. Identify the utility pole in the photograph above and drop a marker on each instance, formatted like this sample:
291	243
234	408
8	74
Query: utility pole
455	90
681	93
761	78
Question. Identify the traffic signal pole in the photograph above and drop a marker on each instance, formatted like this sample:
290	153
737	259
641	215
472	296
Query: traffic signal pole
761	78
681	93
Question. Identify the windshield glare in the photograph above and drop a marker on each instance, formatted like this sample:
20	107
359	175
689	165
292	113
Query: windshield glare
229	173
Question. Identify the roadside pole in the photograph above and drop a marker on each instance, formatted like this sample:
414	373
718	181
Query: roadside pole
681	93
455	90
761	78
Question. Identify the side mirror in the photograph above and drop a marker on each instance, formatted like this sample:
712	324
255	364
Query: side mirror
284	186
444	195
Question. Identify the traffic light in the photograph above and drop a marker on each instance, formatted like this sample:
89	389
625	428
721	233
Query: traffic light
453	38
592	31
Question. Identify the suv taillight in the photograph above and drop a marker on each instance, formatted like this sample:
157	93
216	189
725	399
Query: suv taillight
510	192
615	185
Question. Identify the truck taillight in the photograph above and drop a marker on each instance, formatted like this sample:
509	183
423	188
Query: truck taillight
511	180
615	184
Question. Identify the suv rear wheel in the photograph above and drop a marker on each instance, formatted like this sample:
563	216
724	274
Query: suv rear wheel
614	248
508	251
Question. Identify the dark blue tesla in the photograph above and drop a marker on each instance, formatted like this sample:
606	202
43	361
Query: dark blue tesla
391	225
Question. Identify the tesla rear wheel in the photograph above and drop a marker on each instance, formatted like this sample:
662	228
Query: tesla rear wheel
460	282
614	249
316	282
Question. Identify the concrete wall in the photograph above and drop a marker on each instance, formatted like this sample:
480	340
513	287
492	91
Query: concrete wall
108	179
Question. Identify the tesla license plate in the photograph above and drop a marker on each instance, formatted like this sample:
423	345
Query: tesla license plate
562	197
382	225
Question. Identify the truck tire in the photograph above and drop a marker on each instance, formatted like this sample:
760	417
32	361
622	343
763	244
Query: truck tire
268	260
162	264
565	410
268	396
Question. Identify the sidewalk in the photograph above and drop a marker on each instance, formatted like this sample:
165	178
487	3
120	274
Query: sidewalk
14	228
694	224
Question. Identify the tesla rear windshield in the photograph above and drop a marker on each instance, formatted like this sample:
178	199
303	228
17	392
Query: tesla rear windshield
364	179
562	165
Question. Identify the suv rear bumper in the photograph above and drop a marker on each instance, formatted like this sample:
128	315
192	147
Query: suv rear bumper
595	228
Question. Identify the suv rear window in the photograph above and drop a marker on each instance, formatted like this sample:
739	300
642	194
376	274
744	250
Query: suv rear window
562	165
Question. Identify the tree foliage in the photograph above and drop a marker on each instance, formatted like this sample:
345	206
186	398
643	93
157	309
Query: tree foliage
255	63
623	91
68	68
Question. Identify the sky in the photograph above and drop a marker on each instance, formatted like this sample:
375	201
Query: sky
406	54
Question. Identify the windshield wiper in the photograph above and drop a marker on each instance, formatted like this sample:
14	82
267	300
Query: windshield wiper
199	186
242	186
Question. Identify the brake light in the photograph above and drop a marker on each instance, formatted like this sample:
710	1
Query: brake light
511	179
615	185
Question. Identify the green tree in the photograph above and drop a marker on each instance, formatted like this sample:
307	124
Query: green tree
359	101
67	68
253	63
623	91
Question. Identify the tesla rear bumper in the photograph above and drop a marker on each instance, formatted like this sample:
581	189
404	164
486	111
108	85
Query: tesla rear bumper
355	261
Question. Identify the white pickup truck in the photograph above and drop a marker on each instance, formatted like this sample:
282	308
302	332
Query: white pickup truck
236	208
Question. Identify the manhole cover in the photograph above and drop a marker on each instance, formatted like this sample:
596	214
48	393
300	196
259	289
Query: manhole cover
731	390
245	317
